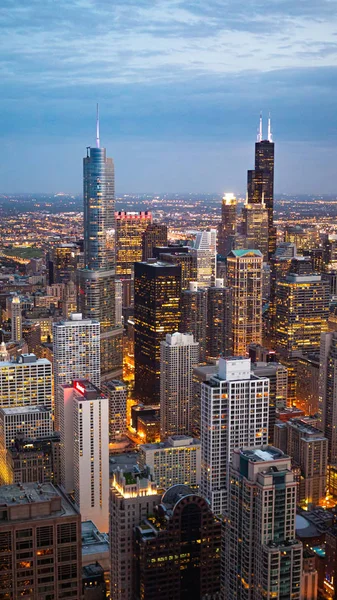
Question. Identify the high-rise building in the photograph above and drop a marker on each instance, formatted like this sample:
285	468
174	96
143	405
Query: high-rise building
16	323
130	227
96	298
227	227
262	558
278	389
256	228
34	460
201	373
177	550
307	391
244	276
40	543
154	235
204	250
261	181
302	309
234	413
308	449
157	312
179	353
29	421
328	393
219	334
117	393
132	498
76	353
63	263
175	461
194	315
187	261
85	450
27	381
279	266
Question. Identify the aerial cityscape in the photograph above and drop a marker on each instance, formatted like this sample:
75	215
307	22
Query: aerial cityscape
168	359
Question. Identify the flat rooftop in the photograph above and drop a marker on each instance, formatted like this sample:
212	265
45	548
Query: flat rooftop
25	410
174	441
93	541
266	454
29	493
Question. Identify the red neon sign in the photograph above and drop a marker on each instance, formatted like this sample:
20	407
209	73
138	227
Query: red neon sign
79	388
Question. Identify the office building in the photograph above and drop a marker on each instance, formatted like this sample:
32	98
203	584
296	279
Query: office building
132	498
194	315
262	558
186	260
279	266
255	227
157	312
227	226
200	373
179	353
130	227
308	449
278	389
85	450
309	583
154	235
260	186
116	391
16	317
302	308
244	276
40	543
175	461
76	352
96	282
234	413
29	421
328	393
175	559
26	381
219	333
204	251
93	582
63	263
307	391
34	460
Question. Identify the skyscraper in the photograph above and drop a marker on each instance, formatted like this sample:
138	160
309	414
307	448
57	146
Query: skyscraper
179	353
157	312
97	280
26	382
244	276
117	393
302	308
85	450
154	235
130	227
256	228
234	413
16	319
219	335
227	226
204	250
261	181
262	558
194	315
328	392
76	351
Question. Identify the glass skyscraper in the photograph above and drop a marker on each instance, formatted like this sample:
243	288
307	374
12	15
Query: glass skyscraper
97	298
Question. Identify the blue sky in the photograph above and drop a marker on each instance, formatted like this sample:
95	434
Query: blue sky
180	86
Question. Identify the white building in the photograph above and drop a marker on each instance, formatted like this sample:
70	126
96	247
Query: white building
16	315
132	499
76	353
179	353
205	251
175	461
117	393
27	381
85	450
261	556
30	421
234	413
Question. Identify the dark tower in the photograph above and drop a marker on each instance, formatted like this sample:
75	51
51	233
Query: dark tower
260	184
227	227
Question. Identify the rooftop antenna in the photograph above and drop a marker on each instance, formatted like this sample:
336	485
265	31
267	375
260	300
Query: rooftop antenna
259	135
270	135
97	126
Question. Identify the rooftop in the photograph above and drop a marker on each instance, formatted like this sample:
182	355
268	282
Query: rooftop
245	252
93	541
25	410
264	454
30	493
175	441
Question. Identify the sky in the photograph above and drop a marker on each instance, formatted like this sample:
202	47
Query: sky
180	84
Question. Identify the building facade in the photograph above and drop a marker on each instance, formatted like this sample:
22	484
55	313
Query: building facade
194	315
116	391
227	227
219	333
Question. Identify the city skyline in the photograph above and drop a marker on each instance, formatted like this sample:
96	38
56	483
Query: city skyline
178	85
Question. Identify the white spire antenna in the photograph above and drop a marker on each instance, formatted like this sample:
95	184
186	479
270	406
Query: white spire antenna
259	135
97	127
270	135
